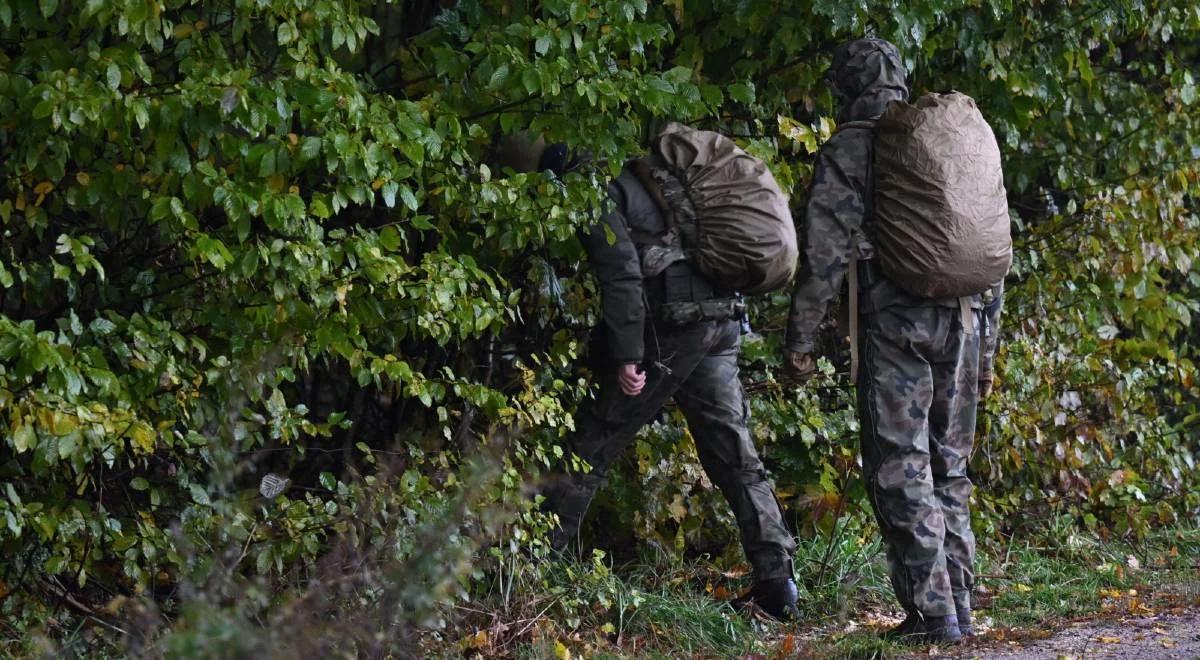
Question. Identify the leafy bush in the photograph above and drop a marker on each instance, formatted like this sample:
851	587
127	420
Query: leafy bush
264	237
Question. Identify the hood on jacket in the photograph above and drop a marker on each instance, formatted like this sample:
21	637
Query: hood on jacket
866	75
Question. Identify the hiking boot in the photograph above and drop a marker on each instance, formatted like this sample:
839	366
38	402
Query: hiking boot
916	629
775	597
965	625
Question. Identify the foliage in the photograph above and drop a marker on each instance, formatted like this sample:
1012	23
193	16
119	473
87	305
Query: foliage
264	237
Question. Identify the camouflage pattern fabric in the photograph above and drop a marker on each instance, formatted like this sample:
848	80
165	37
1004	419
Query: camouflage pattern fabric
835	231
916	396
917	382
696	365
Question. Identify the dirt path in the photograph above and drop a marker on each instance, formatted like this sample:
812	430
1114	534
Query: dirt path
1163	636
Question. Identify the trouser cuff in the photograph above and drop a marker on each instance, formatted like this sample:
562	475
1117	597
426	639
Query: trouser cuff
773	568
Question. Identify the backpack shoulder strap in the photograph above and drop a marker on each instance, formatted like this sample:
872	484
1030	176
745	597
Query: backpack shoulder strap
643	168
862	124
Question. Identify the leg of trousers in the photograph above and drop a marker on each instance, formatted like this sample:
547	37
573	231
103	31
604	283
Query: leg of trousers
913	398
607	425
718	415
702	377
951	440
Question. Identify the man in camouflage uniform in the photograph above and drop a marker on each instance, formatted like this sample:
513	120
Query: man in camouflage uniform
684	330
921	373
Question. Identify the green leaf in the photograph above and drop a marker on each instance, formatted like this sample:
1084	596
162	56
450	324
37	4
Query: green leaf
410	200
389	193
390	239
1187	94
266	166
199	495
24	438
742	92
498	78
113	76
531	81
48	7
286	33
67	445
319	209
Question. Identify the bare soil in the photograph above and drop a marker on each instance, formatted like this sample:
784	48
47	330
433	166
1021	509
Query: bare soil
1169	635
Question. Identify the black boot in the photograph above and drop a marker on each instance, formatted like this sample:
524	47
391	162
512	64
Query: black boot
965	625
775	597
568	496
916	629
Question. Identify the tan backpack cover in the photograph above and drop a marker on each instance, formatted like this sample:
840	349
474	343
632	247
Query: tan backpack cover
940	225
733	218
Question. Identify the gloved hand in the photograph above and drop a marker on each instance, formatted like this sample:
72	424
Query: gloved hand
985	384
632	379
798	367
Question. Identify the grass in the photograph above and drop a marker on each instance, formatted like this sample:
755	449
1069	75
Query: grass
1064	578
656	607
1027	588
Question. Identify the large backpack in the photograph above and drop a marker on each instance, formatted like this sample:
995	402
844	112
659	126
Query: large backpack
725	212
939	222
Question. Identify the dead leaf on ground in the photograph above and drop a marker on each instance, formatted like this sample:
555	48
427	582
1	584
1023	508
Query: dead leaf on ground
740	570
787	647
479	641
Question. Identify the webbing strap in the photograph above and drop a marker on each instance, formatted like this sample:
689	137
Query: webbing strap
964	308
854	320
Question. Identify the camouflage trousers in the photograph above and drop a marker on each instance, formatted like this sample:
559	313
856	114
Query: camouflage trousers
917	391
701	375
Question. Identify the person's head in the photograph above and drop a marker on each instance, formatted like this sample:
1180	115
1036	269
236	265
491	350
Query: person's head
528	152
866	74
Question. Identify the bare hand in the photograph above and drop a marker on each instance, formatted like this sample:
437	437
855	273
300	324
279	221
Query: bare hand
985	386
632	379
798	367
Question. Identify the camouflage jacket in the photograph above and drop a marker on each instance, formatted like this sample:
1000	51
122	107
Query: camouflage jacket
866	75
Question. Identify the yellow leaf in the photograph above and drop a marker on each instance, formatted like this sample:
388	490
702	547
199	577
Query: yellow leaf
43	188
200	25
561	651
293	139
143	438
83	178
276	182
21	201
477	641
1108	640
183	30
377	184
1024	588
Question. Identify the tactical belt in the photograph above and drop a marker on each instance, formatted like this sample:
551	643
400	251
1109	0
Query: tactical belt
683	313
